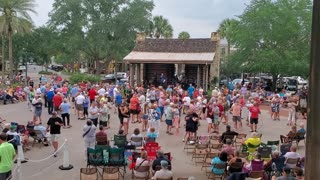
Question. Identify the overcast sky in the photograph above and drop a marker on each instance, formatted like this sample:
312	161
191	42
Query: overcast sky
198	17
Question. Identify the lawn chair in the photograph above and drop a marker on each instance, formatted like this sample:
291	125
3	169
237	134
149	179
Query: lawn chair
150	139
137	142
292	162
95	157
256	174
152	148
117	159
110	173
200	152
120	140
257	165
102	140
284	148
299	137
88	174
35	134
265	152
236	167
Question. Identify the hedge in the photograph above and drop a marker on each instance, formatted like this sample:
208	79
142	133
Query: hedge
77	78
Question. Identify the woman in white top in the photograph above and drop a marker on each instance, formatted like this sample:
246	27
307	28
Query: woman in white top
141	161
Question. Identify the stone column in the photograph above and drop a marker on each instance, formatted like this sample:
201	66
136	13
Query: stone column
203	76
138	74
142	73
313	136
131	75
207	78
198	76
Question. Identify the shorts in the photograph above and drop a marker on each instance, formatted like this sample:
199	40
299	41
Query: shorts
253	120
216	121
37	113
209	120
73	99
103	123
125	120
56	109
54	137
134	111
79	107
236	118
204	110
169	122
85	111
121	120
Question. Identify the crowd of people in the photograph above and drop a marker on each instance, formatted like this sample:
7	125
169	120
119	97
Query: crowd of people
151	107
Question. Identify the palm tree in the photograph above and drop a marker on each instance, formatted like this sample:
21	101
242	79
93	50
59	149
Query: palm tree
15	19
160	27
225	30
184	35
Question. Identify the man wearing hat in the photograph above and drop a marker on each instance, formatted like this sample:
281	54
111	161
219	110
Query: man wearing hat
164	172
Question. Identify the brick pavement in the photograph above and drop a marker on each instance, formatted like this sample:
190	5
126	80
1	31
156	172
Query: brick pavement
182	164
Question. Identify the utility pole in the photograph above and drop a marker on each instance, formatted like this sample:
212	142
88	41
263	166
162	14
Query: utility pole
313	138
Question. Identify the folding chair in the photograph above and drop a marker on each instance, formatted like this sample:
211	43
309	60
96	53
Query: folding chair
239	139
236	167
110	173
190	144
207	161
257	165
117	159
215	147
291	161
200	152
256	174
220	166
120	140
244	155
142	169
88	174
35	134
152	148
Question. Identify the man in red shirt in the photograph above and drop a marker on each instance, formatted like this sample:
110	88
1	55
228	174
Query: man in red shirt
57	100
92	94
254	112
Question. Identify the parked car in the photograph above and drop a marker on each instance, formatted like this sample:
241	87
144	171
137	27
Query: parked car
56	67
239	81
300	80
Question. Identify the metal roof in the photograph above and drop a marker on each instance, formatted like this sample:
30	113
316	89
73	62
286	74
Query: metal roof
171	58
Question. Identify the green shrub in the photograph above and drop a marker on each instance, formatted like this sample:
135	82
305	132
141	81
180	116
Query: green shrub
77	78
45	72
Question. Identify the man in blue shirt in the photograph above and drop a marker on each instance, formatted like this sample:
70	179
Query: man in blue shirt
50	95
190	90
74	92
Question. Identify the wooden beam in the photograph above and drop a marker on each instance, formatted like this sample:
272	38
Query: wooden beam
198	76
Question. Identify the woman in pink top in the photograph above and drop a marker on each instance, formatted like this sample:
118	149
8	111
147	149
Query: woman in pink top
236	114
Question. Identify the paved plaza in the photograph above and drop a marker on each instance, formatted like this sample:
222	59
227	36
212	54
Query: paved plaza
181	163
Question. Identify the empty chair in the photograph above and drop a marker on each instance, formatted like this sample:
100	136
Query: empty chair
200	152
95	157
265	152
88	174
110	173
284	148
120	140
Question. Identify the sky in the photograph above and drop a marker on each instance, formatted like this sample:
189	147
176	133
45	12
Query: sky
198	17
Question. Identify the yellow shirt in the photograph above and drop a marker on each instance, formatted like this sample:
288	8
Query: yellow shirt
253	141
7	154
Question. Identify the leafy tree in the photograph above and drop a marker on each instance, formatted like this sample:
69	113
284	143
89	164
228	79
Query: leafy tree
15	18
98	30
272	36
184	35
160	27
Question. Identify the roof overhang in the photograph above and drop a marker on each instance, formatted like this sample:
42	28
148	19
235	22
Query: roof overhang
169	58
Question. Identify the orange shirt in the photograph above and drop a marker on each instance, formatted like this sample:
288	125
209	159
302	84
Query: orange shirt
134	103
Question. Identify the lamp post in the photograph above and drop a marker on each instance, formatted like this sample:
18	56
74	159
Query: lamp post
25	61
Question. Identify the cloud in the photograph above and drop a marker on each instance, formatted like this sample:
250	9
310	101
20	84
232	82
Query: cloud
198	17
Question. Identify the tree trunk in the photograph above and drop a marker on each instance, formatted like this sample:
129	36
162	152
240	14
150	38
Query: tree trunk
10	53
229	47
3	58
274	82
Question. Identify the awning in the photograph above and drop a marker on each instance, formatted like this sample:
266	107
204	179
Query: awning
169	58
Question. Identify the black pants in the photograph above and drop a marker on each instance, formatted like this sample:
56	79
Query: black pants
7	97
5	176
45	101
64	116
50	106
95	121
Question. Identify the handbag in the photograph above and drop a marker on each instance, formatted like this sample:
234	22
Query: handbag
86	132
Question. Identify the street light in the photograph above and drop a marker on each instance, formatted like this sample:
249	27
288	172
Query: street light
25	61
